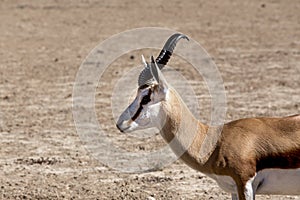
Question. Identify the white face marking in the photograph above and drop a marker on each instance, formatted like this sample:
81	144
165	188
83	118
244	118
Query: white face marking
143	112
157	117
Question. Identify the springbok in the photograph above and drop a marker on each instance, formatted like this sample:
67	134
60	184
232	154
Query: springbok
250	156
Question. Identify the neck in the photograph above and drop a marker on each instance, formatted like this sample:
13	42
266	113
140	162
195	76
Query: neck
184	133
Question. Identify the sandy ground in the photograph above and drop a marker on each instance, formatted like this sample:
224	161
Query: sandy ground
255	44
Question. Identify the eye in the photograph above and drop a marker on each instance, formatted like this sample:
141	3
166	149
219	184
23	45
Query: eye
146	99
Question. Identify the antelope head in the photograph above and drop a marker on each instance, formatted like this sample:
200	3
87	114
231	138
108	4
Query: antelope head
145	110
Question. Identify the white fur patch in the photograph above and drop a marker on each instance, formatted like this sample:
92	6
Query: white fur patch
249	189
278	181
268	181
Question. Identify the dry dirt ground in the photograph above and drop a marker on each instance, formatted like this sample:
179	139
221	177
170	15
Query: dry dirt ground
255	44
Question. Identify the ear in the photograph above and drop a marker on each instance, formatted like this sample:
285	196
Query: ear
144	61
157	75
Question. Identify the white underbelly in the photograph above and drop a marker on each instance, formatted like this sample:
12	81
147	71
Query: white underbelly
278	181
268	181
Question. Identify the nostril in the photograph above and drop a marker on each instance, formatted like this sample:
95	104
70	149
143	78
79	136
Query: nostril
119	128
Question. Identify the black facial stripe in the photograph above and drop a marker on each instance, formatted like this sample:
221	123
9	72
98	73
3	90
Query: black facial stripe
143	86
137	113
141	105
146	99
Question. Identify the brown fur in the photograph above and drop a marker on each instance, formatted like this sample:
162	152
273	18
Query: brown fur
244	147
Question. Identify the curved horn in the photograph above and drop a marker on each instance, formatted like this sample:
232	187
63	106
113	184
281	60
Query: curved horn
165	54
168	49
